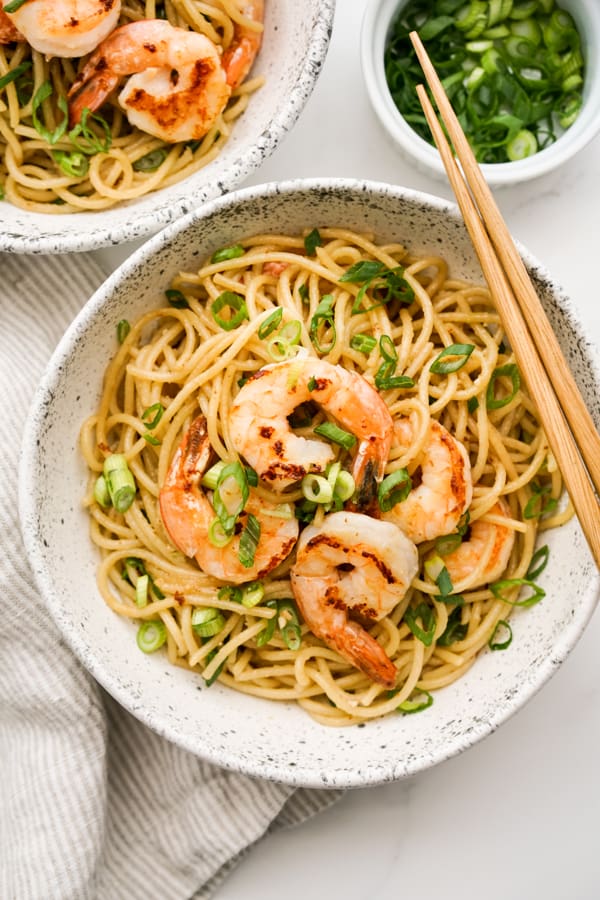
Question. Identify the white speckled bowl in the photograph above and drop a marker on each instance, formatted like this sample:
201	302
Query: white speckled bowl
377	23
294	48
259	737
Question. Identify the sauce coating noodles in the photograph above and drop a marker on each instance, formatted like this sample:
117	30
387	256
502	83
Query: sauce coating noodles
43	169
191	357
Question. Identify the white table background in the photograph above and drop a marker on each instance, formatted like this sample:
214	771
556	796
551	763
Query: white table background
517	816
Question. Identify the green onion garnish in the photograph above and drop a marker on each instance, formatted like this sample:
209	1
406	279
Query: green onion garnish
249	539
337	435
13	6
101	494
317	489
508	371
230	592
235	303
119	481
323	317
416	705
85	139
505	630
312	241
539	504
264	636
227	253
538	563
207	621
270	323
176	299
123	329
151	635
252	594
15	73
364	343
75	164
230	495
141	590
210	479
455	630
451	359
44	91
426	615
289	624
151	161
393	489
499	587
385	284
155	413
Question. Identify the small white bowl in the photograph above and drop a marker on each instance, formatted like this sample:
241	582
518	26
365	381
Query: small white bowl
378	20
256	736
294	47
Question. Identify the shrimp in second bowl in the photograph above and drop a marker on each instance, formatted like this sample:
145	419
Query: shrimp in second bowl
65	28
188	517
434	507
353	563
177	87
260	431
484	554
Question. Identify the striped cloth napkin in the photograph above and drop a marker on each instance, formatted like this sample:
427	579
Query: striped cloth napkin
93	805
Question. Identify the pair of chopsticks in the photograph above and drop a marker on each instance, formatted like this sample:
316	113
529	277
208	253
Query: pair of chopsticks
566	421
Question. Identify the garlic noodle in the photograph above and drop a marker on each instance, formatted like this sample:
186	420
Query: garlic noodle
391	322
47	167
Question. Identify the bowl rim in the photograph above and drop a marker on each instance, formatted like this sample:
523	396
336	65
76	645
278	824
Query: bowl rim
272	770
163	210
375	27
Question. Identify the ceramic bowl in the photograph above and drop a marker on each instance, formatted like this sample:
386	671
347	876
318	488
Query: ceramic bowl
255	736
378	21
295	45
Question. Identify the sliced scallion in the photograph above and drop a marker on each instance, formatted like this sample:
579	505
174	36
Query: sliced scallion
451	359
119	481
312	241
264	636
393	489
416	703
151	161
233	252
176	299
235	303
499	589
252	594
424	614
337	435
141	590
207	621
289	624
270	323
317	489
364	343
249	539
151	635
101	494
501	636
493	401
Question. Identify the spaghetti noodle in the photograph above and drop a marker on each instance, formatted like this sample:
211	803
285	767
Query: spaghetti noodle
433	350
48	166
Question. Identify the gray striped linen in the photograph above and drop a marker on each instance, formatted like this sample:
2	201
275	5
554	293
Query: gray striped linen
92	803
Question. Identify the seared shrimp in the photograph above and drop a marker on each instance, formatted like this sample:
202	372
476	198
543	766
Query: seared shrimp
485	553
187	515
64	27
435	506
177	87
239	56
261	433
353	563
9	33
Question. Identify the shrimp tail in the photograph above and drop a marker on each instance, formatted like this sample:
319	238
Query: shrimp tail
237	60
88	93
357	645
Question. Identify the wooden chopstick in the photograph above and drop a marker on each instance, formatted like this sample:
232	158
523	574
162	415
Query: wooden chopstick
572	435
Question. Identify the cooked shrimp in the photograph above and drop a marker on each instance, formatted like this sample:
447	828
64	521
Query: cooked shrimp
484	556
240	55
261	433
65	27
9	33
177	87
187	515
353	563
435	506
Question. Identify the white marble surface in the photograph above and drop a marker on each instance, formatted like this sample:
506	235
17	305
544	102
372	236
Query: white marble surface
516	816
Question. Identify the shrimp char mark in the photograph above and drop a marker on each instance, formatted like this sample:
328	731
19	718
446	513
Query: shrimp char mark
189	517
353	564
177	81
63	28
260	430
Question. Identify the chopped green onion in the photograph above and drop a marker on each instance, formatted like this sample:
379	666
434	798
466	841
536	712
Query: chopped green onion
264	636
312	241
284	343
237	306
448	543
119	481
44	91
92	142
123	329
455	630
385	284
426	615
132	565
101	494
156	410
394	489
451	359
501	626
364	343
499	587
141	590
176	299
151	635
414	706
538	563
385	381
13	6
337	435
472	404
387	349
230	495
207	621
230	592
323	316
511	371
227	253
539	504
344	486
15	73
289	624
252	594
523	144
209	681
210	479
75	164
270	323
249	539
217	535
151	161
317	489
